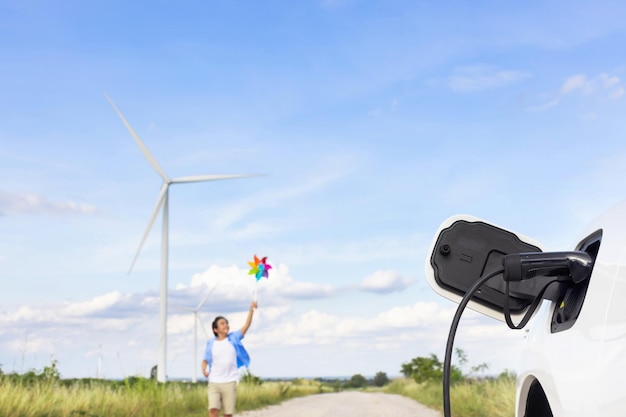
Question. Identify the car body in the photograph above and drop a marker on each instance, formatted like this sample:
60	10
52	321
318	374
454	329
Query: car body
575	350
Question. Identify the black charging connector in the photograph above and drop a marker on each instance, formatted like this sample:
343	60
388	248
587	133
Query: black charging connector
574	266
566	267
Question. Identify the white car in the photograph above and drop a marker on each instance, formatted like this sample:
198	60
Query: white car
574	359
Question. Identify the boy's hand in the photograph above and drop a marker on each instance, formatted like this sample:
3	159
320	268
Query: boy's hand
253	305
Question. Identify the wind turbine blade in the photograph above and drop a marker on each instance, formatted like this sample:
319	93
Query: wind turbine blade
206	335
139	143
206	297
200	178
158	206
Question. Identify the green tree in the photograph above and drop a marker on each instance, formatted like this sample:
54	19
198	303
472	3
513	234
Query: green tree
357	381
50	373
380	379
423	369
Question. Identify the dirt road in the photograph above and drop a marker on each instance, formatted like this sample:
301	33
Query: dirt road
346	404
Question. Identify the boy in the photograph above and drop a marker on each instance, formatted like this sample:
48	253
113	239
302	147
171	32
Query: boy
224	355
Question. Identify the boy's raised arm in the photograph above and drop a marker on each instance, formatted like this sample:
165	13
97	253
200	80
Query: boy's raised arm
245	327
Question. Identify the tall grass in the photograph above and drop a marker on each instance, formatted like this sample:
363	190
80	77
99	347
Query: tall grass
142	398
51	399
491	397
23	397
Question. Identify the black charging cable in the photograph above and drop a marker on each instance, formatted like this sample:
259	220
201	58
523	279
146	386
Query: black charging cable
568	267
457	318
455	324
531	309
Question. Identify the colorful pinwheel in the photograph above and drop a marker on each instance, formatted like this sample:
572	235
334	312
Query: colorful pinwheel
259	268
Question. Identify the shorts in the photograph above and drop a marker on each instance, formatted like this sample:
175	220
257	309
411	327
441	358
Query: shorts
223	395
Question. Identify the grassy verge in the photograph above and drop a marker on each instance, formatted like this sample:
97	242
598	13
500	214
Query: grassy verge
144	398
138	397
494	398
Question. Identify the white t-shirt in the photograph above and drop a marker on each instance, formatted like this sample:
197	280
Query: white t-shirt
224	368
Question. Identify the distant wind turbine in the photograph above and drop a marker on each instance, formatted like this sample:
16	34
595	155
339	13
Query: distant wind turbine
162	202
197	320
99	372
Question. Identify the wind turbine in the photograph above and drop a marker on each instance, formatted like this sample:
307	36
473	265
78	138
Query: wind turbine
162	203
196	320
99	372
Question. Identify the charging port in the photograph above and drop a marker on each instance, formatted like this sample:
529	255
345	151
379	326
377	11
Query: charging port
569	305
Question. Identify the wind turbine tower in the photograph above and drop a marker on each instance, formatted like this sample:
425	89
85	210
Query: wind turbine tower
196	321
99	371
163	203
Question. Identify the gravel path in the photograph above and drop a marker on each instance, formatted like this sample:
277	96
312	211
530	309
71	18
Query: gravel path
346	404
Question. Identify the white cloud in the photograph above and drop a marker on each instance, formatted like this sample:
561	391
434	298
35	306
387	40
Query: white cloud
481	77
419	314
235	284
384	282
126	324
316	327
23	314
181	323
24	203
604	84
94	305
609	80
114	325
577	82
30	344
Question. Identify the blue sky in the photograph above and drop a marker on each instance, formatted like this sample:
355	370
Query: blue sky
372	124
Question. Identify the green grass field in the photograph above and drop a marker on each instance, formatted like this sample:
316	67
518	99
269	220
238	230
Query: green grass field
133	397
490	397
144	398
